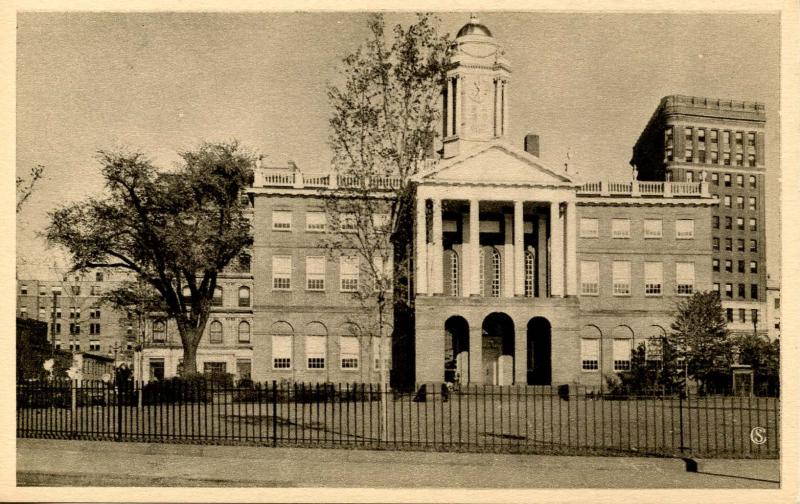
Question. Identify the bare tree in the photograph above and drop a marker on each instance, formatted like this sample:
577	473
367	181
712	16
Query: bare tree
25	187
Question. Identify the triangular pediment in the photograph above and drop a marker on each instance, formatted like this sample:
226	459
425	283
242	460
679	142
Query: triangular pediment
495	164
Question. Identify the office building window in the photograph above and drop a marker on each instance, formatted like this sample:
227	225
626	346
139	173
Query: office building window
668	136
726	158
753	224
753	267
727	201
316	350
589	227
728	290
715	222
316	221
738	138
740	180
715	178
701	135
590	354
739	159
751	160
620	228
754	291
215	332
715	265
751	139
728	266
715	288
740	245
315	273
714	135
281	351
740	223
728	244
23	312
590	278
728	222
701	158
684	229
653	278
688	155
689	176
653	228
349	352
753	246
715	158
621	277
282	220
729	314
740	268
687	133
742	315
752	202
715	243
281	272
94	328
752	179
741	291
684	275
348	274
727	180
740	202
622	354
23	290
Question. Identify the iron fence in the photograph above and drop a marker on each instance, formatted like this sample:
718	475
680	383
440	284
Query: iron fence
523	419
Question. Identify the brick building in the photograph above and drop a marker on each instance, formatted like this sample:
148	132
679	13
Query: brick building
722	142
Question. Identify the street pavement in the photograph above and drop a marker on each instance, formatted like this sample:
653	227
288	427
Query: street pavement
98	463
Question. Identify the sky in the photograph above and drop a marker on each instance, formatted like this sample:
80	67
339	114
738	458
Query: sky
163	82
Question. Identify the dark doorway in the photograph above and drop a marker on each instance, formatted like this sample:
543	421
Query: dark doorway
456	350
498	349
539	365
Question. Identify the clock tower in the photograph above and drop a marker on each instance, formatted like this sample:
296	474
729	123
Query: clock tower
475	95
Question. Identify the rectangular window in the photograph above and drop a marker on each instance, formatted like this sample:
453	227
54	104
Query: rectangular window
282	220
726	138
687	134
740	180
689	176
668	136
740	223
98	276
349	352
589	228
281	272
316	351
753	246
156	369
715	178
590	278
76	290
742	315
727	201
622	354
740	202
740	245
754	315
753	224
621	275
653	278
701	135
715	287
244	369
714	134
728	222
729	314
316	221
715	222
728	290
684	229
214	368
315	273
348	223
741	266
23	290
652	228
590	354
701	158
777	303
281	351
753	267
728	265
620	228
741	291
684	274
715	159
715	243
94	346
753	291
668	154
688	155
715	265
348	273
752	202
94	290
739	159
726	158
23	313
752	179
728	244
751	160
751	139
738	137
727	180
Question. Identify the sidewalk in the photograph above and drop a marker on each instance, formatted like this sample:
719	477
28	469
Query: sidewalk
97	463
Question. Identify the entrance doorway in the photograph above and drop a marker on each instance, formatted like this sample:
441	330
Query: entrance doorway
456	350
539	352
498	349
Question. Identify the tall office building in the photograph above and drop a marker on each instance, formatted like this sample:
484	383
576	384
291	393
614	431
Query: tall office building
722	142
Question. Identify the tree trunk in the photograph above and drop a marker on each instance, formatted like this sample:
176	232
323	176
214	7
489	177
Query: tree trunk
189	353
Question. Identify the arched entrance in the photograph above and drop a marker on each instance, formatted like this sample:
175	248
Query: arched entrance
498	349
539	352
456	349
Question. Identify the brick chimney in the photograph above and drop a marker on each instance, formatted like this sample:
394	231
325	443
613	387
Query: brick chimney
532	144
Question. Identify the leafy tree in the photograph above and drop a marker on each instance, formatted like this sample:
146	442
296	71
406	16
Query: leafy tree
700	335
763	356
382	128
175	231
25	187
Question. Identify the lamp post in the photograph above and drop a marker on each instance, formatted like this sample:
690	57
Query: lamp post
56	291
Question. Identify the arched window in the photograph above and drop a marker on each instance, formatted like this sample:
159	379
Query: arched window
187	296
244	332
159	330
282	335
528	273
316	345
496	272
217	299
244	296
482	262
454	272
215	332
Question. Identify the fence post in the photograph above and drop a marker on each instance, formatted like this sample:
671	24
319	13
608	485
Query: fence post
680	414
139	395
274	413
119	409
74	399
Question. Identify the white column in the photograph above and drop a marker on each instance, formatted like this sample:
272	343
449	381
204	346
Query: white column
459	104
437	282
571	260
556	252
541	254
496	107
505	109
421	247
519	250
449	128
474	247
508	257
466	250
